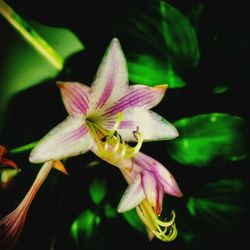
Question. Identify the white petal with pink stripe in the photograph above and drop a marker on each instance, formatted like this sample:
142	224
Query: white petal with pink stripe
69	138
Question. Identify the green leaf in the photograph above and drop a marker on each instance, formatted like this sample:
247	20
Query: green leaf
84	225
219	203
171	42
98	190
132	218
208	137
148	70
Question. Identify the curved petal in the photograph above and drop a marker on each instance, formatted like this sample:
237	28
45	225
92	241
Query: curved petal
75	97
153	190
160	172
152	126
133	195
69	138
168	181
138	96
111	80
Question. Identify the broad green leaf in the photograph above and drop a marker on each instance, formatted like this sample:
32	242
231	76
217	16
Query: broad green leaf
171	42
34	53
148	70
206	138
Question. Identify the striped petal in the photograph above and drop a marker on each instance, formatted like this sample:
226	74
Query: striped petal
69	138
152	126
167	180
133	195
153	190
138	96
75	97
160	172
111	80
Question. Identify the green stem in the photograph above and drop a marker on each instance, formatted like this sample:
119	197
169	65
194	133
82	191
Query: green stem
23	148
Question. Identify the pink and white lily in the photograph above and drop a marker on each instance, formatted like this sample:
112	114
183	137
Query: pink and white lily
96	112
103	118
148	181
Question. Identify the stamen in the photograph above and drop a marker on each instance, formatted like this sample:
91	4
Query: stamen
163	230
110	145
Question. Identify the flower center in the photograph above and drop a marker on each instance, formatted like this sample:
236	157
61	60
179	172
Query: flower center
163	230
110	144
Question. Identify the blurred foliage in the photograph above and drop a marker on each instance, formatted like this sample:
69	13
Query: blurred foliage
209	137
84	226
171	36
219	203
151	71
110	212
6	176
98	190
22	65
132	218
219	89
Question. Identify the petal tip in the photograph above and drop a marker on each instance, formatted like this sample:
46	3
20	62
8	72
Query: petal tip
115	41
60	84
120	210
175	133
32	158
162	87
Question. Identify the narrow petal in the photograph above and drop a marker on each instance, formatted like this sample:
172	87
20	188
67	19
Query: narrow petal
152	126
111	80
138	96
75	97
69	138
151	189
11	225
133	195
160	172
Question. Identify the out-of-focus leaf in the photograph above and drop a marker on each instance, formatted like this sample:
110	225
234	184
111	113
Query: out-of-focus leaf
218	203
23	66
179	35
219	89
98	190
110	211
208	137
64	41
132	218
148	70
84	225
172	39
6	175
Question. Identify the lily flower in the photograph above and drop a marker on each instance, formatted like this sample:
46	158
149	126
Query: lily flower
148	179
102	117
5	161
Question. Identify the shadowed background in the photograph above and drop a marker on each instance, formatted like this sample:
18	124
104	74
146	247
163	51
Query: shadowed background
201	49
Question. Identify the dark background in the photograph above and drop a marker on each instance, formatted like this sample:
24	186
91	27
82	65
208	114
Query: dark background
224	39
